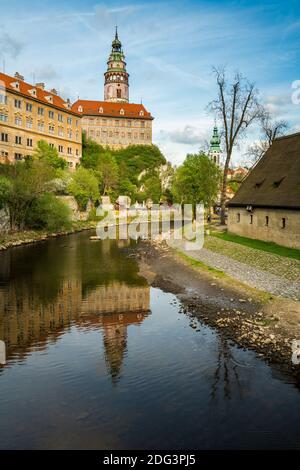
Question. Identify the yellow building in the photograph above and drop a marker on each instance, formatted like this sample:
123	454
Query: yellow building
28	114
115	122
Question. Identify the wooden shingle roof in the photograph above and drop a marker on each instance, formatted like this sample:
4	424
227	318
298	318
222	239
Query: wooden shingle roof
274	182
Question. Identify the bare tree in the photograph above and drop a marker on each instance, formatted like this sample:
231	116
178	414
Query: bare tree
237	106
270	130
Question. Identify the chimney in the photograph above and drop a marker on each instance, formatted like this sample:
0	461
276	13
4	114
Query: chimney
53	91
19	76
40	85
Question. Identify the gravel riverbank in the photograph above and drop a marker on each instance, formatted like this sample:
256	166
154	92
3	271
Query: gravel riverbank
265	323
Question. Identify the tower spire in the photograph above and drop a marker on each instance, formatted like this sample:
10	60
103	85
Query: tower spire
116	87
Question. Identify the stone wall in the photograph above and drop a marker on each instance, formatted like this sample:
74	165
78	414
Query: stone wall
272	225
70	201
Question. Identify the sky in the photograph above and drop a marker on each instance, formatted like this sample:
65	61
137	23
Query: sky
170	48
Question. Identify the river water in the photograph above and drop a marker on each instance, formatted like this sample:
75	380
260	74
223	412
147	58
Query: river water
97	359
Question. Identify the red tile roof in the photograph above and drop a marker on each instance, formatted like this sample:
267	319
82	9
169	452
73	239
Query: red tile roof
24	90
111	109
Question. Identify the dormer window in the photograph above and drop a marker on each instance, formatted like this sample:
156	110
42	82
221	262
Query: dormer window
16	85
80	109
122	112
32	92
101	110
49	98
141	113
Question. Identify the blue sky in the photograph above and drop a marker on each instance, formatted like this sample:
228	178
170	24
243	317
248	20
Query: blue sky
170	49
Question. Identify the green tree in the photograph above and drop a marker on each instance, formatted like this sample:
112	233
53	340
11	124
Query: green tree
49	155
27	181
108	173
49	212
5	191
197	180
84	187
91	152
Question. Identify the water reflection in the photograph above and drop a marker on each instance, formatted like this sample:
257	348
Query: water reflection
87	284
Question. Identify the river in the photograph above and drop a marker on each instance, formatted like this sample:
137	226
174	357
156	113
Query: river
97	359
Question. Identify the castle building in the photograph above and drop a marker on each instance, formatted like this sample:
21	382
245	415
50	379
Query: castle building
28	114
215	149
115	122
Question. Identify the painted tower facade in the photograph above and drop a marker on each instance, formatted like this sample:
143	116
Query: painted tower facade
116	85
215	149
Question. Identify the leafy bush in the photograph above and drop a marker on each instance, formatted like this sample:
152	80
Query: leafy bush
50	213
84	186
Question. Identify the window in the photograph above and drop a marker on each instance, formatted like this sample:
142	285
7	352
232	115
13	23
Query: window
77	123
29	107
143	124
18	104
238	217
18	140
18	156
51	129
116	123
251	219
29	143
283	222
69	120
129	123
267	220
29	123
60	118
41	111
41	127
4	137
118	93
51	146
4	154
18	121
51	114
70	134
142	136
60	149
3	117
69	150
3	99
60	132
77	152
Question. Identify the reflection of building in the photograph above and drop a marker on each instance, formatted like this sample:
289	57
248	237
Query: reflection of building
24	320
115	122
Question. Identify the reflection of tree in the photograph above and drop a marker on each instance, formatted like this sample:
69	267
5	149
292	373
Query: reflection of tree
226	372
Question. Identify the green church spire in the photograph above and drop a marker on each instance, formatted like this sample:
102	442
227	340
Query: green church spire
215	140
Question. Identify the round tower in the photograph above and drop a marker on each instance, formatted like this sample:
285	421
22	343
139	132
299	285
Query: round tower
116	86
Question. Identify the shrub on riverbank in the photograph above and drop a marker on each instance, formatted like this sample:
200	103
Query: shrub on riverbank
49	213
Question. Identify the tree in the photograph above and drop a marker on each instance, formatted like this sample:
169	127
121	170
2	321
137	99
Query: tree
49	212
237	107
5	191
25	182
152	188
49	155
270	130
84	186
91	152
107	170
196	181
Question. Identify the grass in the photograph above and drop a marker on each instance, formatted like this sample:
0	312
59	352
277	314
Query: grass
230	282
259	245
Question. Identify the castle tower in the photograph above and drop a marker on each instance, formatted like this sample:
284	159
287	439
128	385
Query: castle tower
116	86
215	149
